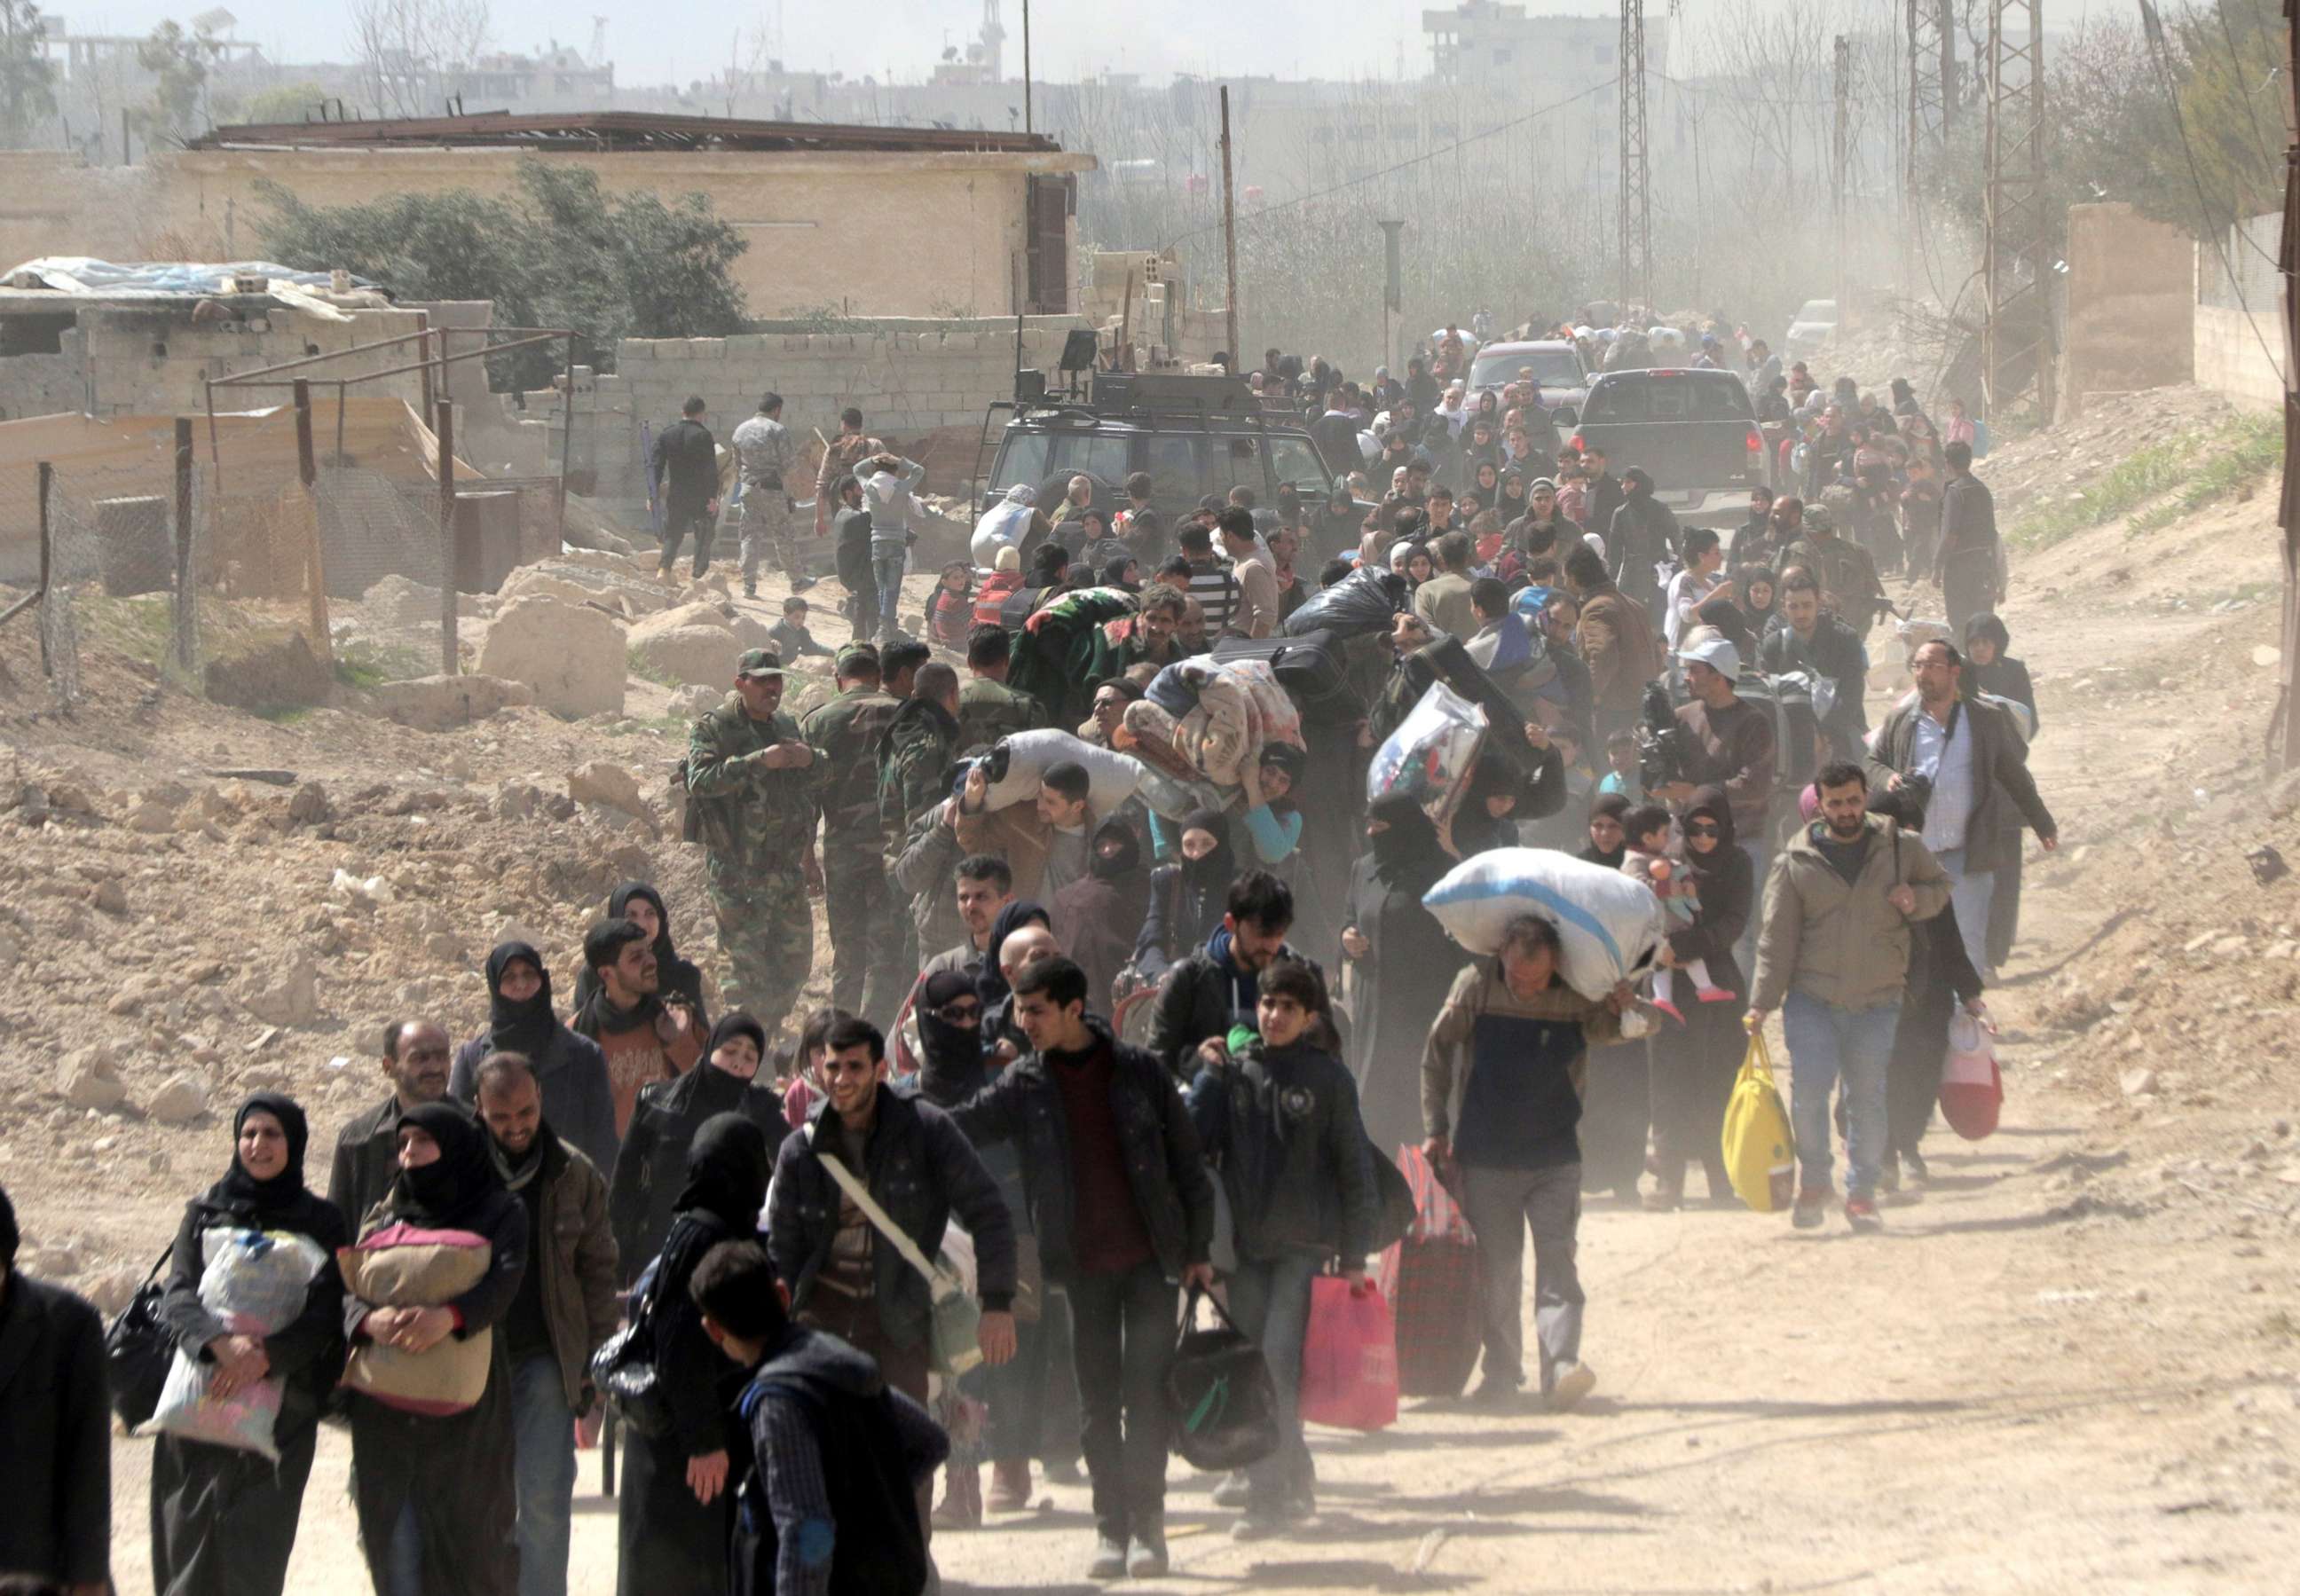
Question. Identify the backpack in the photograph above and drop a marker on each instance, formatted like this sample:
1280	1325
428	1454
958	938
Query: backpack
1309	667
1789	699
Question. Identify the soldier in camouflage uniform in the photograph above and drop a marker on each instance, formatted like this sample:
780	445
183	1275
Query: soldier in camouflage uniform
915	755
753	790
767	452
866	927
987	708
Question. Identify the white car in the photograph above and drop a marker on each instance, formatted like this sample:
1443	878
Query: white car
1815	320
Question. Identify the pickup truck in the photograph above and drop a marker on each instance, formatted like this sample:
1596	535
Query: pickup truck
1692	430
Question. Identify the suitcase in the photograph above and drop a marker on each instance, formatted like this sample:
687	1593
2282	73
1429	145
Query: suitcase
1430	1279
1309	667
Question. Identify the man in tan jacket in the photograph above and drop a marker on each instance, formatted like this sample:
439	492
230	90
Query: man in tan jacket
1833	956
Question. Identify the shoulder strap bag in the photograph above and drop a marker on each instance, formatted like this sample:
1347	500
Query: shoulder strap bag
954	1334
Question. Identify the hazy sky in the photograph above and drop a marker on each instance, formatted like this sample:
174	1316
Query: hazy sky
1070	38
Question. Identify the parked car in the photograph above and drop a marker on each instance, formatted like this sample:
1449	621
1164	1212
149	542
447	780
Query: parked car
1556	366
1815	320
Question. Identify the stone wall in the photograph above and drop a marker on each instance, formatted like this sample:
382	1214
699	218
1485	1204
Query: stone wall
2129	285
156	362
2230	358
42	385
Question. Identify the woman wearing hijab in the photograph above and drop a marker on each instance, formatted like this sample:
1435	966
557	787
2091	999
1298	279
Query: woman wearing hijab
223	1520
436	1496
1757	594
571	1071
677	1504
1692	1065
1123	571
1608	844
1511	504
677	980
652	1168
990	983
1399	964
1187	898
1098	917
1336	528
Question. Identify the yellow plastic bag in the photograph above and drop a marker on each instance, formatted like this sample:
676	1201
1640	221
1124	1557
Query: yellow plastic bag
1759	1146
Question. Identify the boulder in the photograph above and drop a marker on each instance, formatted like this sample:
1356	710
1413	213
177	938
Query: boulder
152	816
697	655
180	1099
572	655
400	602
92	1079
441	703
111	1292
605	782
268	677
310	805
291	999
531	582
693	702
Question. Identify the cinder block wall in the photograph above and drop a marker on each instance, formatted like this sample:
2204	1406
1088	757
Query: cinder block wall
2230	358
156	362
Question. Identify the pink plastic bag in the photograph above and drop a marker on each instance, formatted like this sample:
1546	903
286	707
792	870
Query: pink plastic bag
1972	1087
1349	1358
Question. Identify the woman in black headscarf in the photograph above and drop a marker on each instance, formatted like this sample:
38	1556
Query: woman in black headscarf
677	1505
1615	1105
435	1493
1122	570
1187	898
1398	963
651	1166
679	981
1757	594
223	1520
1692	1063
1098	917
570	1069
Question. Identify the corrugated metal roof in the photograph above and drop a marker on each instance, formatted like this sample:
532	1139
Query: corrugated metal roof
619	130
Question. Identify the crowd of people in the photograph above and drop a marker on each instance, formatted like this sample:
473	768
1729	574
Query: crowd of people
1086	1036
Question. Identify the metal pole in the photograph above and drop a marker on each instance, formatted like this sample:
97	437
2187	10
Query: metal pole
1027	126
307	468
342	389
1229	240
566	452
183	542
444	431
2285	727
47	476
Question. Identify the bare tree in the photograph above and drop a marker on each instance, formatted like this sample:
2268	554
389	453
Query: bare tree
409	51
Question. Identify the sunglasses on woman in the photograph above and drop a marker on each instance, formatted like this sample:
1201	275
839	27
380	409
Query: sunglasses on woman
961	1014
1702	828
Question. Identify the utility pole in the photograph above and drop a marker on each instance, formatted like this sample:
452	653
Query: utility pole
1028	125
1393	289
2284	736
2016	332
1636	213
1229	240
1840	156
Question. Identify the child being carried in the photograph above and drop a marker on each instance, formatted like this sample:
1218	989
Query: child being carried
1649	858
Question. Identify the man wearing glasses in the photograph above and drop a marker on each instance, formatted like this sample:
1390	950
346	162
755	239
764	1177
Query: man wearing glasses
415	1058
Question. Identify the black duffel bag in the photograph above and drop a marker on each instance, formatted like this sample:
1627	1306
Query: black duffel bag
1361	603
1222	1404
137	1350
1311	669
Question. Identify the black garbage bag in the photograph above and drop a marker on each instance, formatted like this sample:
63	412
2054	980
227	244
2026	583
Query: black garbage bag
1220	1402
1361	603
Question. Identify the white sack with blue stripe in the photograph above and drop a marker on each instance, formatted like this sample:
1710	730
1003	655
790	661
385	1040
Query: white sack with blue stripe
1609	924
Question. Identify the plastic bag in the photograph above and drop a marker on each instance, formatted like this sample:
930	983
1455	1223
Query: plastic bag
1361	603
1972	1087
1349	1358
1431	756
1608	924
256	1283
1001	527
1759	1146
1220	1402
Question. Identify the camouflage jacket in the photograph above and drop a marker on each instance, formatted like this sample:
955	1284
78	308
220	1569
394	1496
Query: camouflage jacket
915	760
989	710
1845	572
750	818
848	728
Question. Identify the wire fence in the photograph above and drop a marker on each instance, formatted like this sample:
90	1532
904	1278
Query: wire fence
241	583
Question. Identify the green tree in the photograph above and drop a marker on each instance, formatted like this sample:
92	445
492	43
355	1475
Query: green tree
556	251
282	102
178	62
26	79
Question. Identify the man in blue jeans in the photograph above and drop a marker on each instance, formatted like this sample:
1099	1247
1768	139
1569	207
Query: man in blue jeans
889	482
1835	944
564	1311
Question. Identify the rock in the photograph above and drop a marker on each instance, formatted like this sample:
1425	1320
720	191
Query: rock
446	947
399	601
180	1099
309	806
152	816
92	1079
441	703
693	655
133	994
292	998
515	800
2137	1083
695	701
572	655
605	782
111	897
111	1292
270	676
531	582
59	1262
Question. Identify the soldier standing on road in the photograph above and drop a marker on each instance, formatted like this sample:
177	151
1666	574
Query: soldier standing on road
683	471
843	453
763	445
866	930
753	789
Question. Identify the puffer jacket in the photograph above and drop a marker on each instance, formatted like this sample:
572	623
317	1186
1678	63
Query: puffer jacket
1163	1166
1844	945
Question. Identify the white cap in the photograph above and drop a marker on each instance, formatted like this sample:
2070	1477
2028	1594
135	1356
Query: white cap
1715	650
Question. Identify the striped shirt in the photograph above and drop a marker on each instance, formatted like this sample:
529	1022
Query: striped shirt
1217	593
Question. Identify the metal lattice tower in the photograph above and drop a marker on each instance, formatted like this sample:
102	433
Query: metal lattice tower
1932	85
1636	200
2016	334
